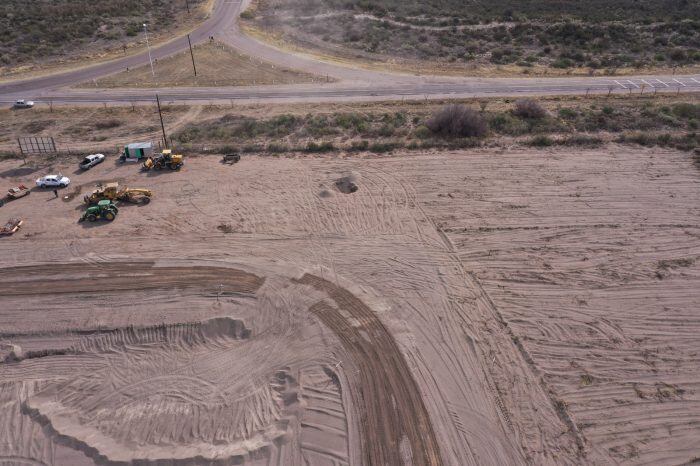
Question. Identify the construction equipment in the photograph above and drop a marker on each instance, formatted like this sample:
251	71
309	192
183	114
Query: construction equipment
112	192
136	151
15	193
104	209
165	159
11	226
231	158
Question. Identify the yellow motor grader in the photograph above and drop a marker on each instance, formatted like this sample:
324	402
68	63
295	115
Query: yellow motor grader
112	192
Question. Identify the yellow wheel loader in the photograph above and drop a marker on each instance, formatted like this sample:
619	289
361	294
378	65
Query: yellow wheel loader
165	159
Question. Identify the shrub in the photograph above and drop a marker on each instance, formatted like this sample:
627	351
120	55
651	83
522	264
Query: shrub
322	147
540	141
457	121
529	109
359	146
277	148
422	132
506	123
567	113
107	124
583	140
687	110
382	147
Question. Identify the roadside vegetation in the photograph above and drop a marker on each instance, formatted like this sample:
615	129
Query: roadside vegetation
667	121
601	35
32	30
528	122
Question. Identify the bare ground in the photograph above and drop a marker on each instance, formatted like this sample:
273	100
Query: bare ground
217	65
473	307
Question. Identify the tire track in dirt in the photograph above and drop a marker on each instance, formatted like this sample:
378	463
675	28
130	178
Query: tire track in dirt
395	425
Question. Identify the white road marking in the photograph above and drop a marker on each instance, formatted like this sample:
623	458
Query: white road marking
633	83
679	82
620	84
663	83
695	80
648	84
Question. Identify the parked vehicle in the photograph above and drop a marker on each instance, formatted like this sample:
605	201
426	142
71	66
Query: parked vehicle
91	160
231	158
23	103
11	226
136	152
165	159
53	181
104	209
112	192
15	193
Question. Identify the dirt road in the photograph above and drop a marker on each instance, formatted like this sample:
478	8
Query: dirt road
355	83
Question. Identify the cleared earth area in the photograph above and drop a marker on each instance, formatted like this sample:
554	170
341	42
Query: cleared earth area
216	64
467	307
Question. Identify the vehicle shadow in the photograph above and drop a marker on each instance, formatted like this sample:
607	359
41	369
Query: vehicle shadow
96	224
21	171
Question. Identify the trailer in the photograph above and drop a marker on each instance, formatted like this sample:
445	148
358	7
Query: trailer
11	227
136	152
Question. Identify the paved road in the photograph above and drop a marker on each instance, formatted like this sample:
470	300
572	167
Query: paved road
355	83
381	91
223	17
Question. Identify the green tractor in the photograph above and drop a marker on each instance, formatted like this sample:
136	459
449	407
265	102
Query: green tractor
105	209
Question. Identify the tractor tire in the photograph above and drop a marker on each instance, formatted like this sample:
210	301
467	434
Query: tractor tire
92	218
110	216
145	200
172	166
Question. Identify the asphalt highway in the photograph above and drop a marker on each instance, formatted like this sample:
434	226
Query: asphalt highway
353	83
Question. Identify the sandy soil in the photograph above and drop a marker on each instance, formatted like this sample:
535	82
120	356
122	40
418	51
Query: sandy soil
458	308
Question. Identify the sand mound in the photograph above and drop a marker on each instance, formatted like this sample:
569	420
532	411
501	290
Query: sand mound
165	391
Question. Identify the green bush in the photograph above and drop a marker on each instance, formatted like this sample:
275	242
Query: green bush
422	132
314	147
687	111
276	148
540	141
382	147
359	146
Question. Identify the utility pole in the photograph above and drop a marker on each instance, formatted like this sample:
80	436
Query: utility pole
192	55
162	126
148	46
188	6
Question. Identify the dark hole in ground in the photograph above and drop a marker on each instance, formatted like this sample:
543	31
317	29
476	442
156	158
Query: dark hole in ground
346	185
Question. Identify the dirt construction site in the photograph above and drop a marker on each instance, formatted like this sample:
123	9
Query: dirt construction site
452	308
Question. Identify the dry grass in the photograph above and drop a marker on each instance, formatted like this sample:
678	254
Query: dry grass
361	126
217	65
117	36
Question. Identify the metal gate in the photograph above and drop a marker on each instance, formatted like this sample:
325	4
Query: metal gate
37	145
